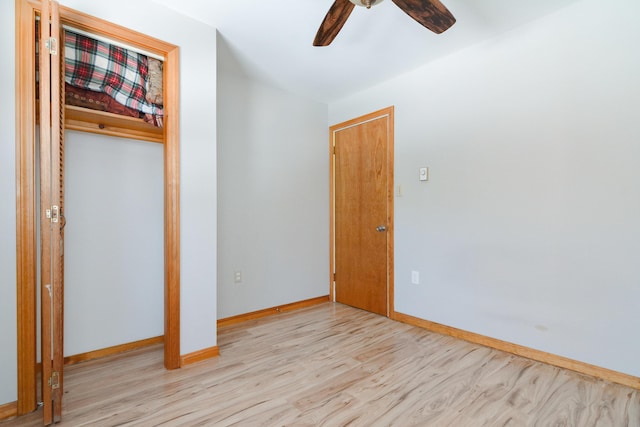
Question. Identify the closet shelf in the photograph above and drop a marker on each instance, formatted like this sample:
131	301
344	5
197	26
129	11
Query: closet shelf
100	122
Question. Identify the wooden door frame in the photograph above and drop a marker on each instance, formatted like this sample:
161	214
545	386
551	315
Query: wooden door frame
385	112
26	214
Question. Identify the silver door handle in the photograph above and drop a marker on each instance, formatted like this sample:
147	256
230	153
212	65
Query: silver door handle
381	228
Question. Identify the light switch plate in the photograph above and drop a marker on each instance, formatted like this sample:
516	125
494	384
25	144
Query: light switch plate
424	174
415	277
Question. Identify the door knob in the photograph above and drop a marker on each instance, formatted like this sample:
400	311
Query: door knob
381	228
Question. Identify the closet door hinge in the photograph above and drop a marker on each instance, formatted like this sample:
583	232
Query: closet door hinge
52	45
54	380
52	213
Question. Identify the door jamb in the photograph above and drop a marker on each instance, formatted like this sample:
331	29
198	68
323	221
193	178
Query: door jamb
26	214
389	111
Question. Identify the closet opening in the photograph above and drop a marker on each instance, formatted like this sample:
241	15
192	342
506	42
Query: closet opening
81	122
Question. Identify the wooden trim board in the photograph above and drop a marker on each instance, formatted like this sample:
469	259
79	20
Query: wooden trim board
110	351
172	210
391	212
25	207
519	350
199	356
271	311
8	410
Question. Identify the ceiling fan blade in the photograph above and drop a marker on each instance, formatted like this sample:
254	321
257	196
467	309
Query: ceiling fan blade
333	22
430	13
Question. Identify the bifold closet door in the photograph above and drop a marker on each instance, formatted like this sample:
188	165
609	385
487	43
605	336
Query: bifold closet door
52	219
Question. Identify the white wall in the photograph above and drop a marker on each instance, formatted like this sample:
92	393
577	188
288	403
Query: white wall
529	227
8	327
114	242
197	178
273	211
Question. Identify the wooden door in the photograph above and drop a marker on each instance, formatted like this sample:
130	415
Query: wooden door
51	210
362	225
26	191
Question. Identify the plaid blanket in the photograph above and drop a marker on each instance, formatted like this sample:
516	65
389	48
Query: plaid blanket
102	67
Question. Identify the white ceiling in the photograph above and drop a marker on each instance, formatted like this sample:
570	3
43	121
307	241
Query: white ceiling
272	40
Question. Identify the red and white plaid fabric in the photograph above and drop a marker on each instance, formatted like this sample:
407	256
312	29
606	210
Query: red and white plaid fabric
102	67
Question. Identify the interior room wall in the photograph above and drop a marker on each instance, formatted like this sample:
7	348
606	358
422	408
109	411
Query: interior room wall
273	206
8	327
528	229
114	243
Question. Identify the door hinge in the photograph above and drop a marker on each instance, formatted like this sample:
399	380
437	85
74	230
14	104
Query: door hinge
52	45
54	380
334	277
52	213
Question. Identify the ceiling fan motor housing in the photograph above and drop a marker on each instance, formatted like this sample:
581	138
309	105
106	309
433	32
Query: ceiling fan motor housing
366	3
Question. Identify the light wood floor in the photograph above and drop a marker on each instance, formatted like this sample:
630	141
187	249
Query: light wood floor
332	365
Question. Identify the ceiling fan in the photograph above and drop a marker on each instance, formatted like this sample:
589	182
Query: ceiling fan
430	13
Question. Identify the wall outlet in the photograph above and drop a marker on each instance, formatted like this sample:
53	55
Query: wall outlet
415	277
237	276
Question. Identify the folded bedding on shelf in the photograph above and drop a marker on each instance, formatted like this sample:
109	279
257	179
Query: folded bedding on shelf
96	101
119	73
154	82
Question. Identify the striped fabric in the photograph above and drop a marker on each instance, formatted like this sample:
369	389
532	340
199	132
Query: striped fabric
102	67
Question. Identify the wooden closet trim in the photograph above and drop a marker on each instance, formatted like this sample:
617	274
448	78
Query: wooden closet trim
25	207
26	214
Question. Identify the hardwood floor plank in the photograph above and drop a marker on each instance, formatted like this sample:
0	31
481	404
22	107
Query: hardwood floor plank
333	365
